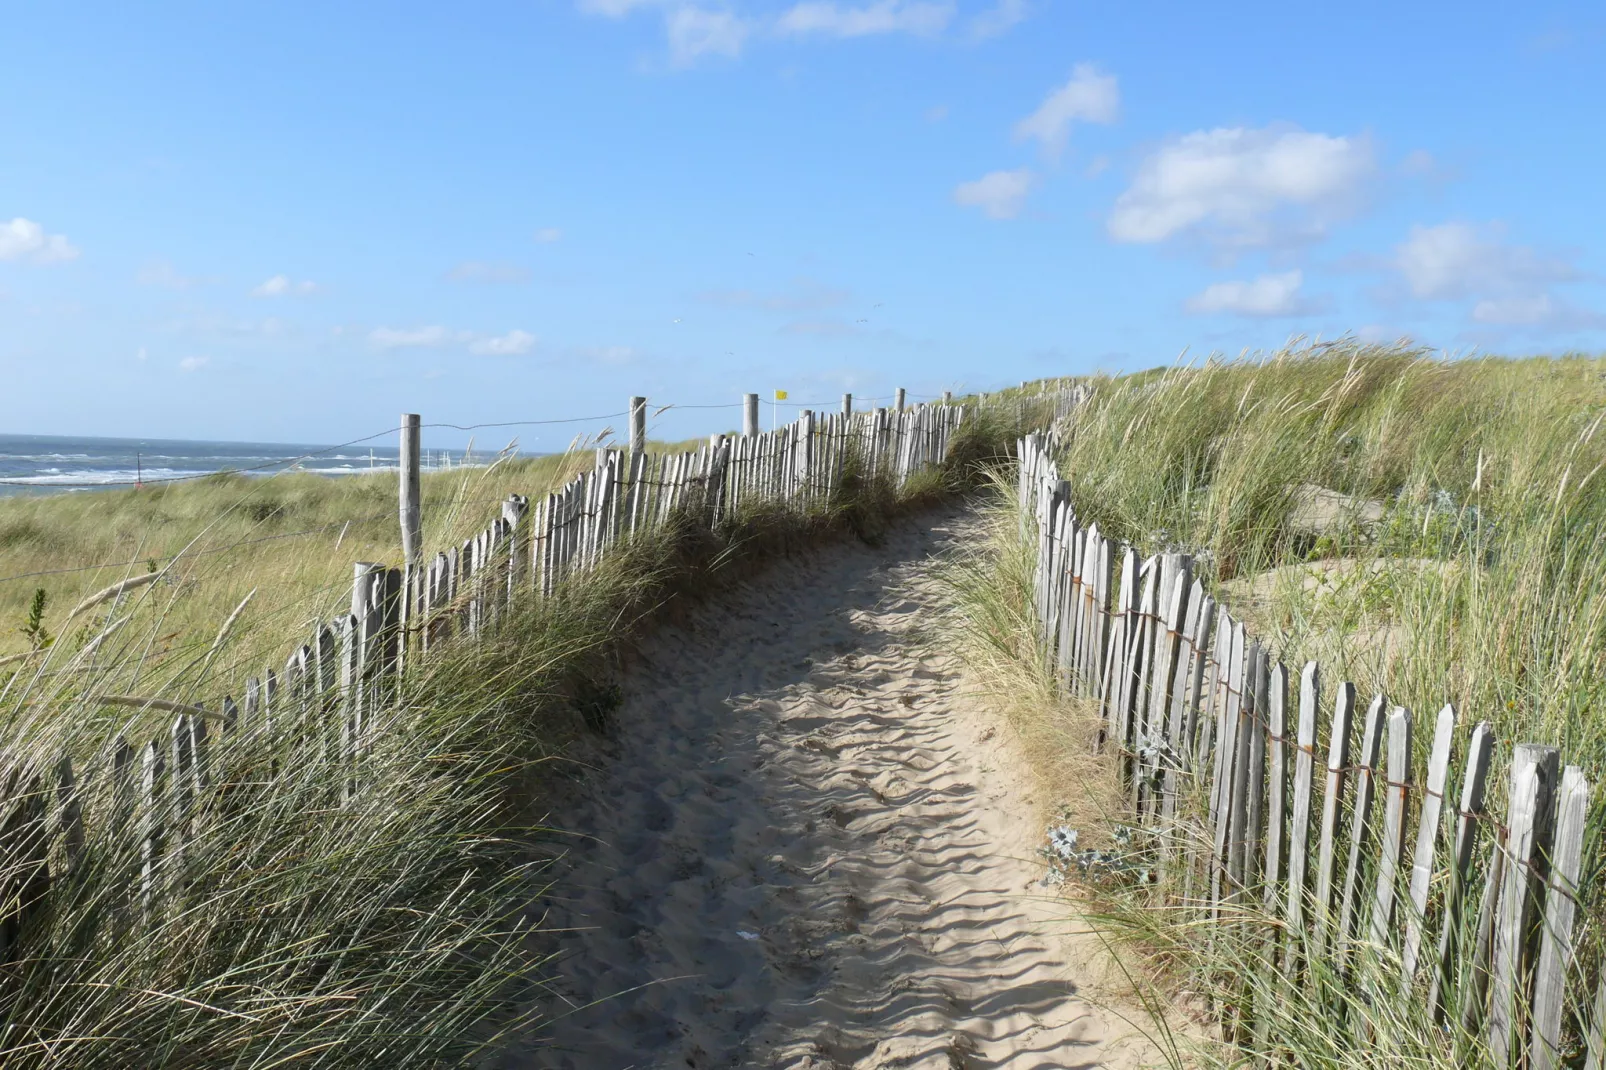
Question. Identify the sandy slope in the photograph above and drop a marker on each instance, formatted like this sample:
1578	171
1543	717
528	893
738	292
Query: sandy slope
807	850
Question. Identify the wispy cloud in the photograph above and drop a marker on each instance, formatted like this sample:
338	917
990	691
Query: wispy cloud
512	344
435	336
24	240
1509	284
1264	297
282	286
1458	260
998	20
548	235
387	338
1238	187
163	274
190	364
695	32
488	271
999	194
1089	97
828	19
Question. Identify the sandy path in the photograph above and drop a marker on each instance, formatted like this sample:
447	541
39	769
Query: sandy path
809	850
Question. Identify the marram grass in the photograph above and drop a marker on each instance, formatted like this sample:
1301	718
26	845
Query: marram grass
1463	567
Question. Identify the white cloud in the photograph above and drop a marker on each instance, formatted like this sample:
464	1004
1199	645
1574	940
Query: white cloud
190	364
1537	310
1241	187
280	285
999	194
436	336
614	9
510	344
695	32
548	235
488	271
1088	97
937	113
141	354
163	274
1459	260
1264	296
830	19
1418	162
23	239
386	338
998	20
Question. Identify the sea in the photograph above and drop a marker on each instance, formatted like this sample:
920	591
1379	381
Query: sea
35	464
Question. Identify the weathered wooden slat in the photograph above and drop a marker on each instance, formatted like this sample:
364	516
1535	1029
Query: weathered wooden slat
1428	831
1396	811
1474	781
180	798
1338	749
153	827
69	823
1533	782
1561	904
1597	1030
1276	784
1361	821
1255	768
1310	694
1475	982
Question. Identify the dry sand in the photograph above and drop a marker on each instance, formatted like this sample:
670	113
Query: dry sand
808	848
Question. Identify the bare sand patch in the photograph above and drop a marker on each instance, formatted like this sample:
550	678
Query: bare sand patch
809	847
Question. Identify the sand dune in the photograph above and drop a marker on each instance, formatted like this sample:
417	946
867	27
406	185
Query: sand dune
807	848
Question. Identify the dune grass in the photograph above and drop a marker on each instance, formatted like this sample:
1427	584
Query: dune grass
1465	569
322	916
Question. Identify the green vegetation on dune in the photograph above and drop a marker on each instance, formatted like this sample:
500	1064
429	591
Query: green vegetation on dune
306	924
1490	469
1426	528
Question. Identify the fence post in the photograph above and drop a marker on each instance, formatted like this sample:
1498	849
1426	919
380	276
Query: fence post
898	405
638	426
1533	784
749	415
411	515
847	404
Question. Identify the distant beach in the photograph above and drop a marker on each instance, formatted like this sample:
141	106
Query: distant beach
56	463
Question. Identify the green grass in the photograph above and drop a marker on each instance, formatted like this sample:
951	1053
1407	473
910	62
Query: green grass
392	930
1482	584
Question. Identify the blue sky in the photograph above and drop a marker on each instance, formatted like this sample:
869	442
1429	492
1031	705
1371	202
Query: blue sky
290	222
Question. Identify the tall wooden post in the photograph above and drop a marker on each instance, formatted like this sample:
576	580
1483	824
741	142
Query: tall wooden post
899	404
638	426
411	512
749	415
847	404
947	397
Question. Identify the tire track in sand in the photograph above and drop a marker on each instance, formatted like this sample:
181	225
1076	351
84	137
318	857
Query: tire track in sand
808	850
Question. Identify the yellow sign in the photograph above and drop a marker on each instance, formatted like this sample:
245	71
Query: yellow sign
780	395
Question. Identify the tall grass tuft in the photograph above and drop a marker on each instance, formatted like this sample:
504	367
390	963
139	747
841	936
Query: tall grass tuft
1426	528
325	913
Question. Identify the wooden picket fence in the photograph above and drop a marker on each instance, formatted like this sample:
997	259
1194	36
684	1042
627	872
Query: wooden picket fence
1471	916
316	714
